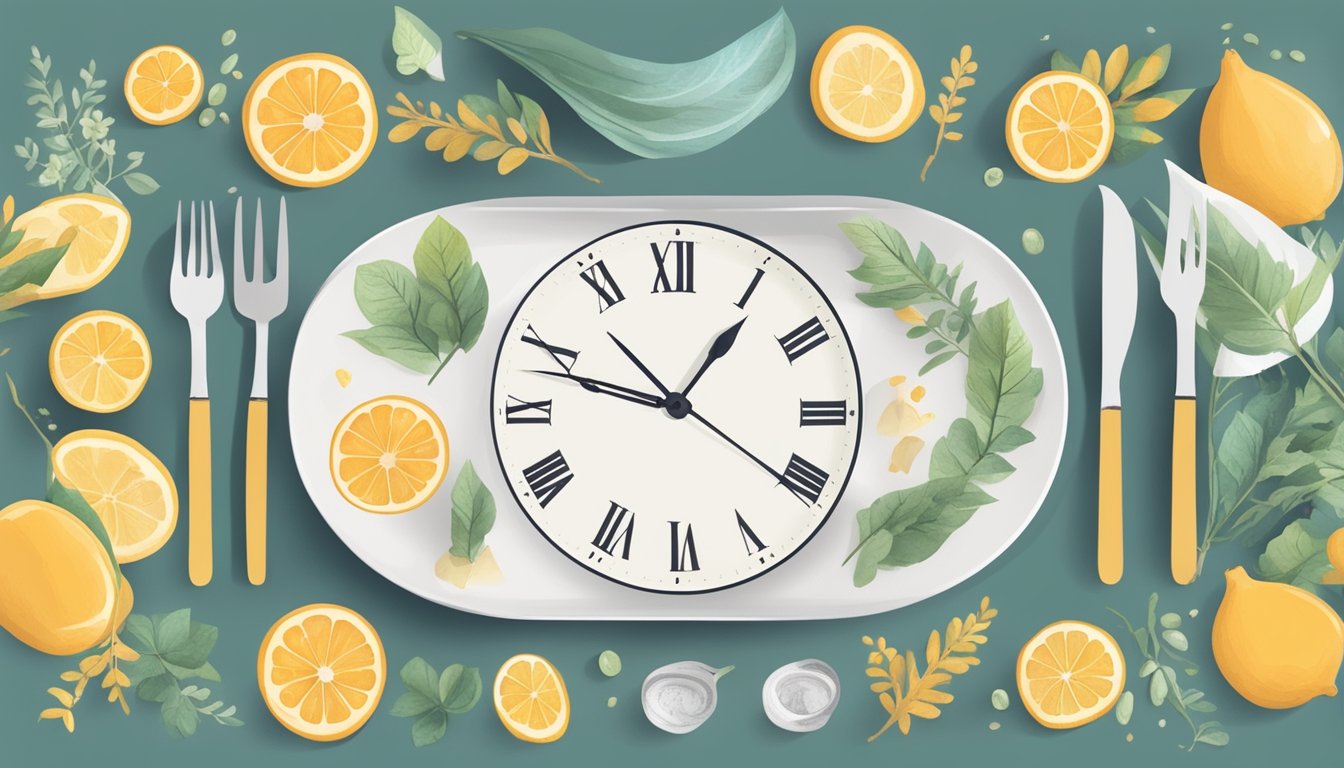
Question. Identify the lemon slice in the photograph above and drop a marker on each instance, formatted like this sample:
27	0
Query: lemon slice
163	85
310	120
127	486
865	85
389	455
321	670
101	228
1060	127
1070	674
100	361
531	700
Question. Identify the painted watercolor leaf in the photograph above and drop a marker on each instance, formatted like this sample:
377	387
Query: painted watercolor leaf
417	46
432	697
473	513
654	109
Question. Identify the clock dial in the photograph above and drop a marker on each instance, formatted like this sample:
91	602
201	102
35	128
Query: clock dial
676	407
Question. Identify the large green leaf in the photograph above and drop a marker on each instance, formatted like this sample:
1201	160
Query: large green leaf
1295	557
33	269
1001	382
653	109
456	286
1244	289
473	513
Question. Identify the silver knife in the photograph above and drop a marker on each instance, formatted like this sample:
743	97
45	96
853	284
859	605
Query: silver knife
1119	305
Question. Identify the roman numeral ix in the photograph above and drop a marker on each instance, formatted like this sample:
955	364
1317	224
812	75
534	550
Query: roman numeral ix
683	548
599	278
519	411
618	527
547	477
822	413
564	357
804	479
803	339
682	267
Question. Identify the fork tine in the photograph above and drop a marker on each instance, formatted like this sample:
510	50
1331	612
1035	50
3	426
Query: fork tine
179	266
192	266
216	268
259	250
238	273
282	247
1191	244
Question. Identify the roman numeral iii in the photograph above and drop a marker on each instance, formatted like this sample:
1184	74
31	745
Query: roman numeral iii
519	411
804	478
803	339
683	548
822	413
565	358
548	477
678	276
618	527
599	278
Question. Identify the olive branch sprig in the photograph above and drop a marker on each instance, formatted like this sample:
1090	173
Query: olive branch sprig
944	112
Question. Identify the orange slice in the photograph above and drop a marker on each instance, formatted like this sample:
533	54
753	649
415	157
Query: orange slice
163	85
531	700
127	486
389	455
100	361
321	670
310	120
1060	127
865	85
1070	674
99	227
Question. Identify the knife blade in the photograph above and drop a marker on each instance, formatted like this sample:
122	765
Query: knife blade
1119	307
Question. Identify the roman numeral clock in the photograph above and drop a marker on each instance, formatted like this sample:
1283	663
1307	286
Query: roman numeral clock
676	407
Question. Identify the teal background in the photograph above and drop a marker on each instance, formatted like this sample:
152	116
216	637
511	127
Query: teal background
1048	574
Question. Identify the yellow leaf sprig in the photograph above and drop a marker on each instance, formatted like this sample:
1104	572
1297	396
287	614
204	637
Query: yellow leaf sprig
944	112
105	661
904	692
509	131
1127	84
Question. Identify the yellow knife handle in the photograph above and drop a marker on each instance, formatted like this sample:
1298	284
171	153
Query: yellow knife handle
1110	501
200	560
256	490
1183	545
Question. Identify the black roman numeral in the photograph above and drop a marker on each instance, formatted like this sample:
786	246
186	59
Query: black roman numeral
547	477
599	278
750	540
803	339
804	478
519	411
683	548
755	280
682	278
618	527
822	413
565	357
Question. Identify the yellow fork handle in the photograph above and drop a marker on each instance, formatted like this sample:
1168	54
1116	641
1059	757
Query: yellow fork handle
256	490
200	560
1110	506
1183	546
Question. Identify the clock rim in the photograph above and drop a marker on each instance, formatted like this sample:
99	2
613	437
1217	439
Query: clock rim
858	410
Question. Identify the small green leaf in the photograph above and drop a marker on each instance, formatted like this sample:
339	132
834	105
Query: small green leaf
473	513
459	689
417	46
421	678
141	183
33	269
1060	62
1157	689
179	714
412	704
172	630
429	728
444	267
157	688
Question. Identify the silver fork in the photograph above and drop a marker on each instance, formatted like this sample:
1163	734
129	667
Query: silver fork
261	302
1182	288
197	288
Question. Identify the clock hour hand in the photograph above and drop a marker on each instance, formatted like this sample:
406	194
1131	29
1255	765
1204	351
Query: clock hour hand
759	462
722	343
607	388
642	368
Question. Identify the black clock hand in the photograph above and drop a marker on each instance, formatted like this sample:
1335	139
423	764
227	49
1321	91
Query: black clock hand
748	454
642	368
606	388
722	343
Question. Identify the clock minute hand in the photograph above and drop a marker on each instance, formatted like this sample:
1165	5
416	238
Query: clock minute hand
769	469
642	368
722	343
607	388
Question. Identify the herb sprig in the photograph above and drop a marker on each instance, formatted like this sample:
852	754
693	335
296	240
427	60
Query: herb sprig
81	153
508	131
432	697
945	113
172	650
31	270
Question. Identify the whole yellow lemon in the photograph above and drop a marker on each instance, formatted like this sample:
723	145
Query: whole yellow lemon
57	587
1265	143
1278	645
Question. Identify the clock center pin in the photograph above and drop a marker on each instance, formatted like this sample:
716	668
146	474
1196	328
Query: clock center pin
677	406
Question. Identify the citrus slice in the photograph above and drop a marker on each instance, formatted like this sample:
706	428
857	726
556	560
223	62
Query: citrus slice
99	228
1070	674
310	120
127	486
321	670
1060	127
531	700
163	85
389	455
865	85
100	361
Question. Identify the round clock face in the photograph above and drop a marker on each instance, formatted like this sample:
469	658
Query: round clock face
676	407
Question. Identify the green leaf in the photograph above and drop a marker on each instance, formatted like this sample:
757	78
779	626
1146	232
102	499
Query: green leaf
897	276
460	689
157	688
1060	62
387	293
421	678
653	109
33	269
172	630
416	45
473	513
1295	557
73	502
179	714
1304	295
400	345
412	704
507	102
1244	290
429	728
445	269
140	628
1001	383
141	183
194	650
1131	141
535	122
871	555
